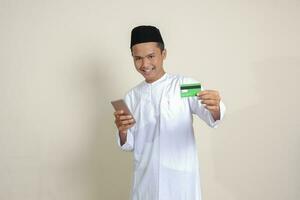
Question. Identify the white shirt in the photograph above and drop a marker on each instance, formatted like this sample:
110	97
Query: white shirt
162	140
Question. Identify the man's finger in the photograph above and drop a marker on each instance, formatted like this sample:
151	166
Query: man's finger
118	112
125	127
204	92
210	102
213	95
121	125
124	117
209	97
212	108
125	122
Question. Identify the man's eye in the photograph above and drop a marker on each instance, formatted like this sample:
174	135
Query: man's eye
151	56
137	58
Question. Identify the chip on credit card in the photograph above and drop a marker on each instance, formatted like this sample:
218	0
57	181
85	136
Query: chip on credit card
190	90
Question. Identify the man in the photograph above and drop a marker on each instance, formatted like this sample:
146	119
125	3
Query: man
162	137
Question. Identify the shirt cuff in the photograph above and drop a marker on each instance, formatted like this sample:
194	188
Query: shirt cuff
215	123
128	145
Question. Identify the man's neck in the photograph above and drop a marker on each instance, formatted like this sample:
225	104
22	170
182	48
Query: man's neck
160	76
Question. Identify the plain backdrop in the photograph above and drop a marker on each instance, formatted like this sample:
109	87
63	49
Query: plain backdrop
62	61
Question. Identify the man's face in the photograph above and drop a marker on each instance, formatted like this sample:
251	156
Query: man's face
148	60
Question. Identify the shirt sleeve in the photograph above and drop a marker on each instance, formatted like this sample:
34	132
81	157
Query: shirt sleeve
198	108
129	144
204	114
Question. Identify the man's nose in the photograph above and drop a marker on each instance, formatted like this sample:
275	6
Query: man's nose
145	62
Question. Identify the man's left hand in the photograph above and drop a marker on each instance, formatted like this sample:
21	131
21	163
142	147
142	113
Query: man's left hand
211	100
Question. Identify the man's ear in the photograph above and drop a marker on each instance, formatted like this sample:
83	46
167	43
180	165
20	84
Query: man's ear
164	53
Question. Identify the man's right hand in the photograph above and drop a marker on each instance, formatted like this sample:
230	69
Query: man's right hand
123	121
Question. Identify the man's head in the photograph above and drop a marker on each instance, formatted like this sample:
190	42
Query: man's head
148	52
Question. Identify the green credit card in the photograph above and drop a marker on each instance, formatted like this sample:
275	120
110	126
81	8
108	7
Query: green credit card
190	90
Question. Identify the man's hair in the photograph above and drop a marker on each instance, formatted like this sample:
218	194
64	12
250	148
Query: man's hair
160	45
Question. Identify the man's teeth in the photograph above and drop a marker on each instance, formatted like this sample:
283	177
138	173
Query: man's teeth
148	70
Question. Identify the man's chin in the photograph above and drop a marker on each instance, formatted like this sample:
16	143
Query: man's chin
148	76
149	79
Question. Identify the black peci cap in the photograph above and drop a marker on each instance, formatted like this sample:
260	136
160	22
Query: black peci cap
141	34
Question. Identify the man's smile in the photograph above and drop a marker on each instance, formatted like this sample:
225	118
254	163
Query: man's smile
147	71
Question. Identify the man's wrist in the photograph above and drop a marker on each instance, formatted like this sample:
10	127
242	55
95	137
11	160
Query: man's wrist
217	114
123	137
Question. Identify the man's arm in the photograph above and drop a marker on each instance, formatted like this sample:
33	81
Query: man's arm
123	123
208	107
211	101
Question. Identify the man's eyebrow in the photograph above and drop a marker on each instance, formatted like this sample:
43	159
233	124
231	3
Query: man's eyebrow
150	54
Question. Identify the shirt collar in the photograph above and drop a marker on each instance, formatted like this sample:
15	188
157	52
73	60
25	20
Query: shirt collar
157	81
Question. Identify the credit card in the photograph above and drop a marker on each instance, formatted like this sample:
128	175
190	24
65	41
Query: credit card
190	90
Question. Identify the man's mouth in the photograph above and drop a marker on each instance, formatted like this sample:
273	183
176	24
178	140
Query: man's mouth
148	70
